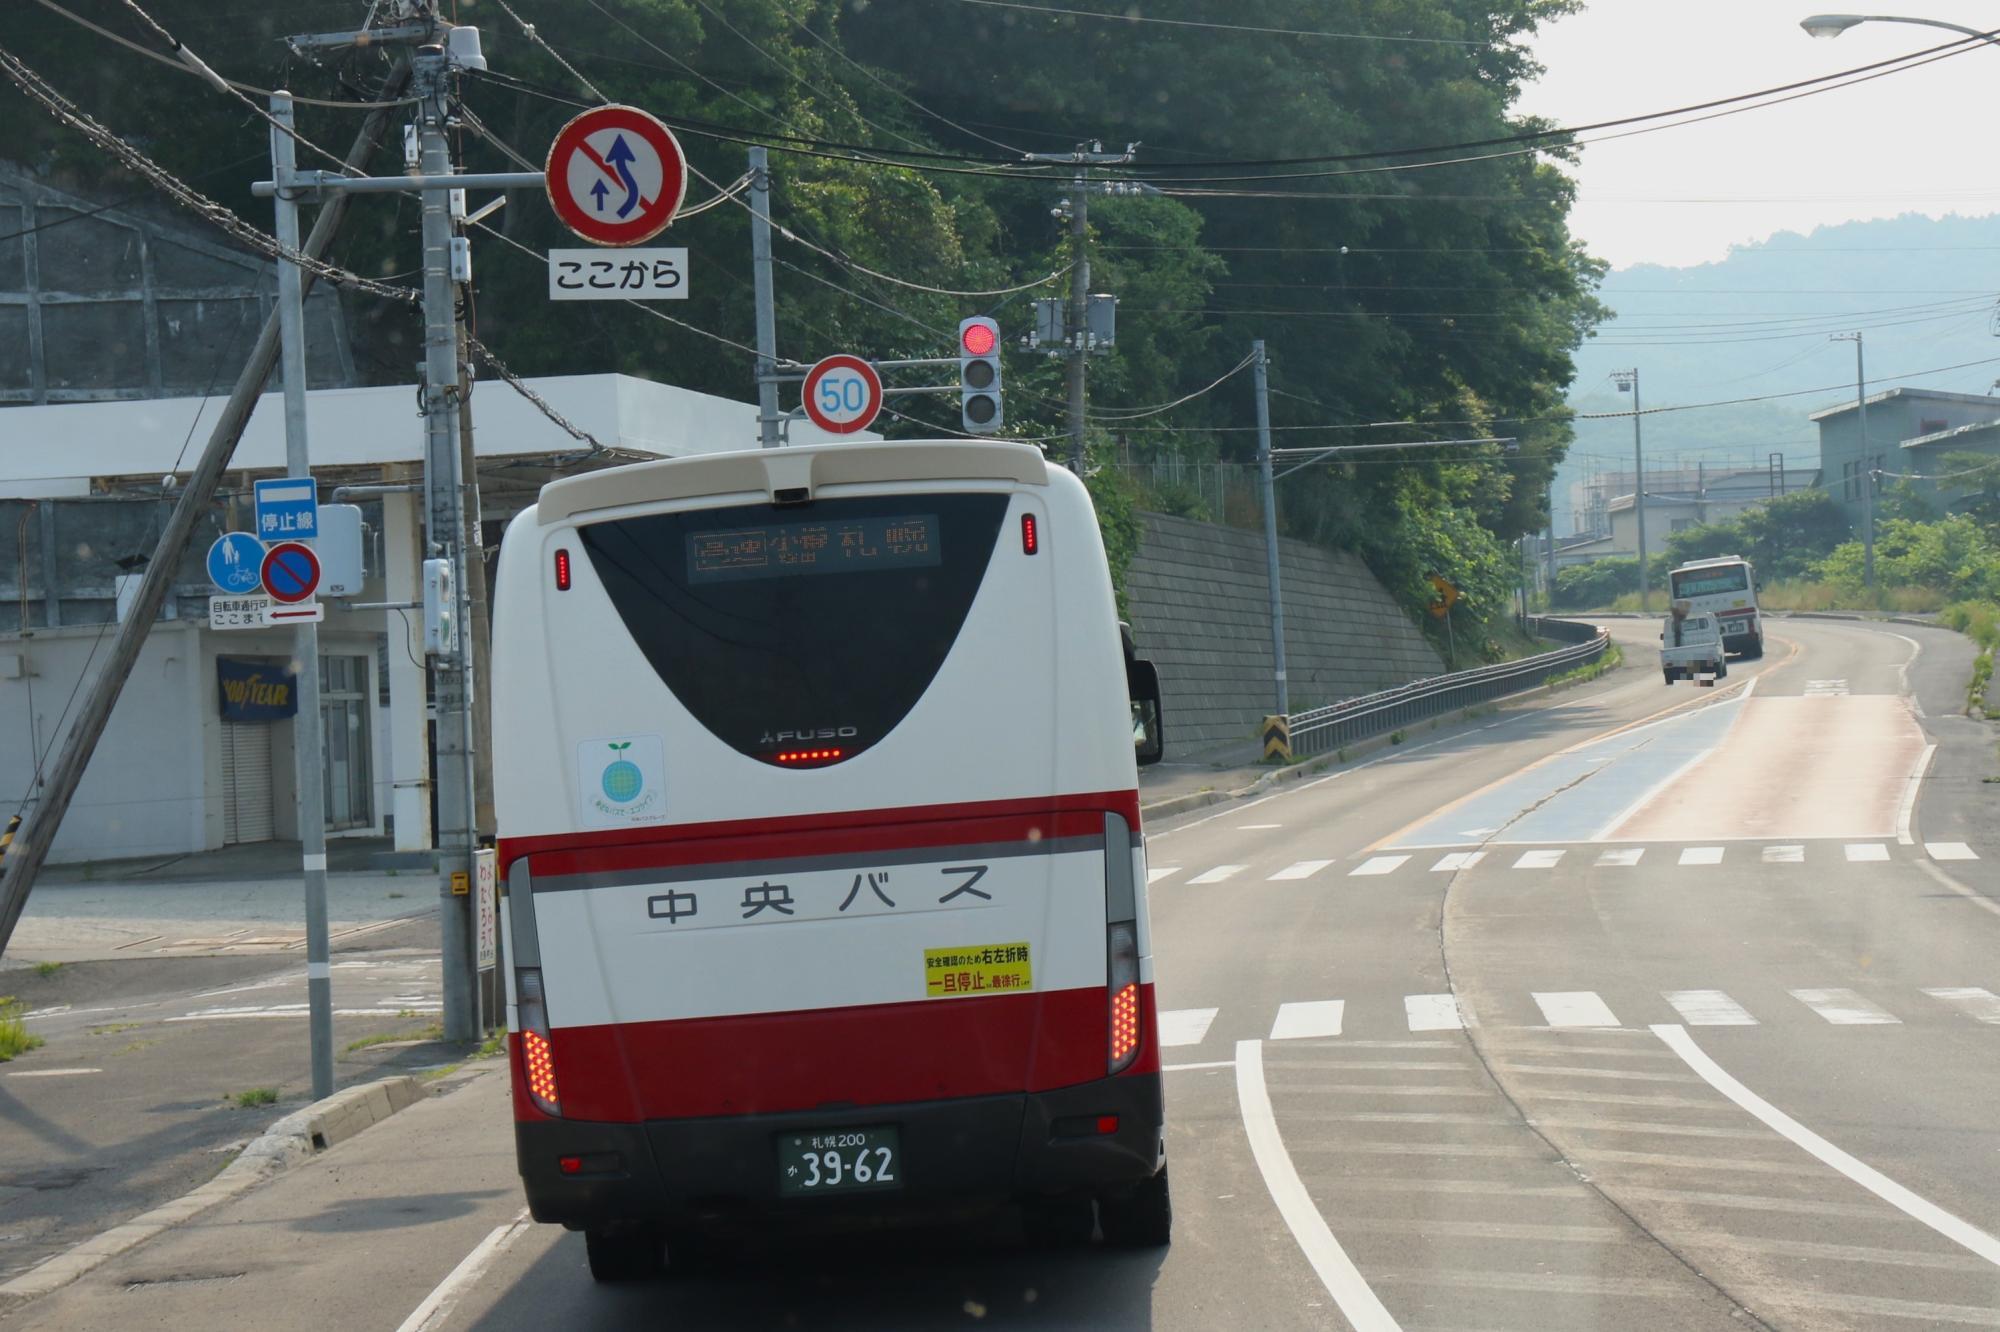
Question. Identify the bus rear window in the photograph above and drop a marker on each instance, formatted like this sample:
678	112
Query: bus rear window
1711	582
790	631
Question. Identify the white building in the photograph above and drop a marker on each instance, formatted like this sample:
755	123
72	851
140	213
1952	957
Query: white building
82	499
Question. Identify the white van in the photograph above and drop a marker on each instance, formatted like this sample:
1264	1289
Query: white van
824	887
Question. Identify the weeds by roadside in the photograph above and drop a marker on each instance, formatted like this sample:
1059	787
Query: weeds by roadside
251	1099
434	1032
1613	658
1980	622
47	969
15	1038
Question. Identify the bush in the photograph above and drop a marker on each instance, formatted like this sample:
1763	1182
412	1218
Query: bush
1952	555
1597	584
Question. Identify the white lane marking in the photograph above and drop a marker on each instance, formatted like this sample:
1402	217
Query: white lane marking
431	1313
1621	857
1701	855
1784	855
1305	869
1903	671
1950	851
1859	851
1318	1017
1188	1068
1575	1008
1826	689
1980	900
1709	1008
1844	1008
1877	1183
1458	860
1433	1012
1257	827
1377	865
1908	809
1185	1026
1154	875
1218	874
1544	859
1336	1271
53	1072
1977	1004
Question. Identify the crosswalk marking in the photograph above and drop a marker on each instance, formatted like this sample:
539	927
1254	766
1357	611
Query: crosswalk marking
1708	1008
1433	1012
1950	851
1320	1017
1377	865
1218	874
1701	855
1185	1026
1575	1008
1458	860
1154	875
1977	1004
1826	689
1867	851
1843	1008
1784	855
1305	869
1545	859
1623	857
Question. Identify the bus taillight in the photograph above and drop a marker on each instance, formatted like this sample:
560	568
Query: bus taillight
562	570
538	1056
1031	536
1122	956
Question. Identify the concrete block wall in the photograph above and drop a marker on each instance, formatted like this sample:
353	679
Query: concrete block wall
1200	609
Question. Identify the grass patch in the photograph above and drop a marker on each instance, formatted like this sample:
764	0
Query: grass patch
492	1046
133	1047
1395	737
113	1028
47	969
434	1032
1613	658
15	1038
256	1096
1980	622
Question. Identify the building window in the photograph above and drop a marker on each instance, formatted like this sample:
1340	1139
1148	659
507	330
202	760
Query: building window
1931	427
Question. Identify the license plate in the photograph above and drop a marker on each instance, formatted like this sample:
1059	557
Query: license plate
838	1161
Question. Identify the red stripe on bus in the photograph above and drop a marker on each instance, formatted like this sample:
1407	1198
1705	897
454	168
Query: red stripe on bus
1725	614
880	1054
895	829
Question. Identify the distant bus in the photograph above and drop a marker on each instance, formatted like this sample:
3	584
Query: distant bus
823	878
1725	587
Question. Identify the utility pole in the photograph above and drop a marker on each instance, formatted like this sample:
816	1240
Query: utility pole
307	737
767	314
1628	382
1549	556
445	537
1077	209
31	847
1261	371
1867	464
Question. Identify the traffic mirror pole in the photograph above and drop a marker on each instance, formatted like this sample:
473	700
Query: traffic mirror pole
307	739
31	848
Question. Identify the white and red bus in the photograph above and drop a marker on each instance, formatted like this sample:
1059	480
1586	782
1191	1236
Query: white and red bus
819	834
1725	587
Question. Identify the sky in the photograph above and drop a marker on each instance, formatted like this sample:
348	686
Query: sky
1922	141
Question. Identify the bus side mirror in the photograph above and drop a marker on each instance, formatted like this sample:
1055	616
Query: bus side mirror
1148	737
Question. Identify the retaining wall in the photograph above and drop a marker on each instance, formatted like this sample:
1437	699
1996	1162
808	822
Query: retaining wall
1200	609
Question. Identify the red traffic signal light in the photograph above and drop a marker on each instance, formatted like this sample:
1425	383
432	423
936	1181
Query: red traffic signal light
978	337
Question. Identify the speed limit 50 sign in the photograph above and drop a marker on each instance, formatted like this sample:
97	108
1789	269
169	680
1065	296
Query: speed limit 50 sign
842	394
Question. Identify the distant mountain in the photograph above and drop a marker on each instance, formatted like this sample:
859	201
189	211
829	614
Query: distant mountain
1755	324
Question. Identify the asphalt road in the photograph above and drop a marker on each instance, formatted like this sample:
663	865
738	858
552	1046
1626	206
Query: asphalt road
1630	1006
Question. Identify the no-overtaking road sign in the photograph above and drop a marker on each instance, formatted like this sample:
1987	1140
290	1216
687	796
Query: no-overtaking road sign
616	175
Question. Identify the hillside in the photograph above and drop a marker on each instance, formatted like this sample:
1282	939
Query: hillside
1756	324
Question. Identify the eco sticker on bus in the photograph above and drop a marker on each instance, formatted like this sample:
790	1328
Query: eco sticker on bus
983	969
621	780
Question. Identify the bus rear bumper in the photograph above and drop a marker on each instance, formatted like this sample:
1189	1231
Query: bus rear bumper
958	1156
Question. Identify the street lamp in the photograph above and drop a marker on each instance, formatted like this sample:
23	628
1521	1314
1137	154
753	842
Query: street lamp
1832	25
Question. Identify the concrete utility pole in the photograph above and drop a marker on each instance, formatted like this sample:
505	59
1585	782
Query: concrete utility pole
1628	381
1084	157
307	737
1867	463
446	537
31	848
767	313
1549	556
1260	368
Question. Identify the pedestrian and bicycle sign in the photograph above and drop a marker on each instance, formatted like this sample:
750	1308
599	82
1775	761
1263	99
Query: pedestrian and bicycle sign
842	394
287	509
236	563
616	176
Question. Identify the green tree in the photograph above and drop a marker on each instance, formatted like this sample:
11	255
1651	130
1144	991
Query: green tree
1953	555
1598	583
1974	488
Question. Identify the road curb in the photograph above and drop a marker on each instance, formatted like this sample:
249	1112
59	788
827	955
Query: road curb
296	1138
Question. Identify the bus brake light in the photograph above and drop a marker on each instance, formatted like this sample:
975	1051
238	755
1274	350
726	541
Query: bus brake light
562	570
541	1066
807	758
1124	1026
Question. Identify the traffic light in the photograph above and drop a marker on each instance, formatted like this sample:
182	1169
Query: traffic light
979	375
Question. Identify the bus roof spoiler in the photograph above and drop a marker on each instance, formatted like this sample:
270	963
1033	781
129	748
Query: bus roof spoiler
789	475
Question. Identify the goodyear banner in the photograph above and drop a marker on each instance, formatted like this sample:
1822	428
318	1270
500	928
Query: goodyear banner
256	690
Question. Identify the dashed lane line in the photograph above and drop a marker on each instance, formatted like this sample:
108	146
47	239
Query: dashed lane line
1318	1017
1784	855
1336	1271
1304	869
1575	1008
1218	874
1844	1008
1541	859
1701	855
1454	861
1950	851
1377	865
1866	851
1621	857
1434	1012
1977	1004
1185	1026
1920	1209
1709	1008
1155	873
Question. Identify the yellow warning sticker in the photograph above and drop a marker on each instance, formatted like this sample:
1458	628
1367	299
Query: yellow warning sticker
980	969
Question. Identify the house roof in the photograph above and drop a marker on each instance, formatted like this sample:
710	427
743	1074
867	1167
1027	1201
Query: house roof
1928	395
1957	435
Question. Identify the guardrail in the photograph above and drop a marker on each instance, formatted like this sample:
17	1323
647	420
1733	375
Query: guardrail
1322	729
